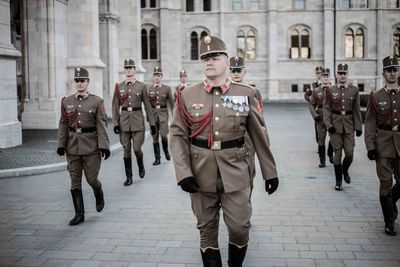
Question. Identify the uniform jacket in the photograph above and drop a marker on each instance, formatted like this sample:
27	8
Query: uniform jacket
345	100
226	124
383	111
317	101
126	96
159	99
86	113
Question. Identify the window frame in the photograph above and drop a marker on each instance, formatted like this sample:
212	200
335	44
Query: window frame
246	30
148	28
355	29
396	30
199	34
299	29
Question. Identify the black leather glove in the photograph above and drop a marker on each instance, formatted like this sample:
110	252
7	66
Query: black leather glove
189	185
117	129
61	151
105	153
317	119
331	130
358	133
153	130
271	185
372	154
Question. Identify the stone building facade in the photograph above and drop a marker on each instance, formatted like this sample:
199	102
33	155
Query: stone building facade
42	41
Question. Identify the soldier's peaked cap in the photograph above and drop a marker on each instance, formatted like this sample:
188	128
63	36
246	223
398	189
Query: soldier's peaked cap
81	73
129	63
318	69
236	62
342	67
157	70
212	46
390	61
326	71
182	73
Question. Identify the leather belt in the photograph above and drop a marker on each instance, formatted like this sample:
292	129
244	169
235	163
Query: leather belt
342	112
394	128
160	106
218	145
131	108
83	130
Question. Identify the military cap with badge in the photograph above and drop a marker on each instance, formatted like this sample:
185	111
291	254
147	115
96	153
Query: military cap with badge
80	74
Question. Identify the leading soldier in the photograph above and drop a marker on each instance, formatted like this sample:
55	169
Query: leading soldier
207	136
160	95
82	135
128	118
342	116
382	140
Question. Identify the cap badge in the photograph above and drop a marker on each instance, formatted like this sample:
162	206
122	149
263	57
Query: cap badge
207	39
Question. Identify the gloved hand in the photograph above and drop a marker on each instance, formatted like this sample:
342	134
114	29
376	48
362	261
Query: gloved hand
61	151
189	185
331	130
358	133
117	129
105	153
372	154
317	119
271	185
153	130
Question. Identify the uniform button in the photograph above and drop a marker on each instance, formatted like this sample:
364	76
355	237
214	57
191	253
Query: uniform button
79	106
157	92
129	103
129	90
79	113
217	118
343	107
196	114
217	105
394	111
237	114
394	102
158	97
216	93
395	119
342	94
342	100
216	133
129	96
79	121
137	93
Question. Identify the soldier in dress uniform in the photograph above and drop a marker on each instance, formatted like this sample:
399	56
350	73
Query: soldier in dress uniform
128	118
342	116
83	137
210	154
316	109
315	84
183	82
160	95
382	139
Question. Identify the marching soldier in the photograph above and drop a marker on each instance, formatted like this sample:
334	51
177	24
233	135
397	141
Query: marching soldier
183	82
382	140
128	118
83	137
315	84
316	109
160	95
342	116
207	135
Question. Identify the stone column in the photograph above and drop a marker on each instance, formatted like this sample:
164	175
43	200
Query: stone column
83	43
109	54
44	62
272	91
329	38
10	127
380	35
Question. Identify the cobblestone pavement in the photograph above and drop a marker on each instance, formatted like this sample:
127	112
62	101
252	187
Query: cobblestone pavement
305	223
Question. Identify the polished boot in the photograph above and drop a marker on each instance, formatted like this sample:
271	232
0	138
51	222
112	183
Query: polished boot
77	199
98	194
140	164
346	165
395	198
211	258
128	171
330	152
165	147
321	152
157	153
388	214
236	255
338	176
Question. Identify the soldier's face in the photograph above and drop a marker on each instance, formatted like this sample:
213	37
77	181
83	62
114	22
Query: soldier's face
391	74
81	85
319	75
157	78
342	77
237	74
325	79
216	66
129	72
183	79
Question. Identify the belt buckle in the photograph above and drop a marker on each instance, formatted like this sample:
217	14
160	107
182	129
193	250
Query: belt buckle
78	130
158	106
343	112
395	128
129	109
216	145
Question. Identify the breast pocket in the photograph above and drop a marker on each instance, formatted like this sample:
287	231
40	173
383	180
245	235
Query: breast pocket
89	115
234	120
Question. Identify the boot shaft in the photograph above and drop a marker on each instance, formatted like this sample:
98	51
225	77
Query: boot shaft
156	147
236	255
211	258
77	199
128	167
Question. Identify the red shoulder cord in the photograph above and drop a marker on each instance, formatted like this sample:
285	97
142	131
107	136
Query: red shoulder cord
69	117
121	99
198	123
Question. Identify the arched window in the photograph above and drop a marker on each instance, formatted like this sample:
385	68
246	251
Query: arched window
143	3
396	42
246	43
300	43
393	3
145	47
194	46
354	43
349	40
206	5
189	5
149	44
153	3
153	44
359	44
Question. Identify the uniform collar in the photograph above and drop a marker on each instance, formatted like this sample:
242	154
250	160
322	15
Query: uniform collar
393	90
158	85
345	86
224	86
81	97
130	82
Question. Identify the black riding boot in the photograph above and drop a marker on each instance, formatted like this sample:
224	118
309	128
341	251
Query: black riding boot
395	198
346	165
321	152
98	193
338	176
139	160
388	214
330	152
157	153
165	147
211	258
77	199
236	255
128	171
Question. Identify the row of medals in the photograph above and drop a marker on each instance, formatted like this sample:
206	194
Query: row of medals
236	103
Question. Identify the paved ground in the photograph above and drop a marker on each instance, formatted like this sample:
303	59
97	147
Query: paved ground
305	223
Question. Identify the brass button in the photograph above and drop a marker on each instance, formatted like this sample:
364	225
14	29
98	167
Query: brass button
216	133
79	113
217	105
79	106
217	118
237	114
216	93
196	114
